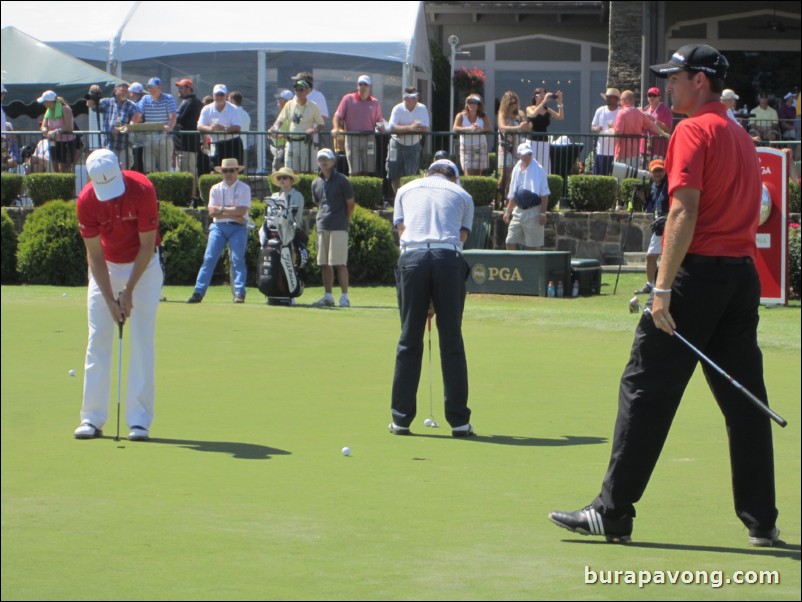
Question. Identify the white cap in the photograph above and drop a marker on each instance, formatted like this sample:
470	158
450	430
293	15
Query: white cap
364	79
325	153
729	95
220	89
285	94
786	97
136	88
104	170
48	96
450	164
524	149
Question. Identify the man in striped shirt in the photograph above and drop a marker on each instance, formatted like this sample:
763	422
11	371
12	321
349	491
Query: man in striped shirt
157	107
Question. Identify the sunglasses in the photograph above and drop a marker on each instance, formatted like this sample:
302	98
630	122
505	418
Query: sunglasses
301	90
363	84
653	95
283	178
228	170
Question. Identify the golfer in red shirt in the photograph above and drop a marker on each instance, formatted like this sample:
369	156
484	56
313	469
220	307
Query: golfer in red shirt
119	221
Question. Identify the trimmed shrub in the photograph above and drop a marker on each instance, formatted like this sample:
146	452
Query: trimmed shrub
555	189
183	243
10	188
372	252
367	191
175	188
481	188
8	250
44	187
794	260
592	193
50	249
793	195
628	187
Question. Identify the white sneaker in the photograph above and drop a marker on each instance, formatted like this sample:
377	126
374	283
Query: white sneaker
87	430
325	301
138	433
344	302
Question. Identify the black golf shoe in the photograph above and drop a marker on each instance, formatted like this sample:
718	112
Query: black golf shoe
764	538
589	522
195	298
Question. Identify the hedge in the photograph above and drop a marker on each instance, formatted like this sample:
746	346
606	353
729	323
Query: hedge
367	191
176	188
10	188
628	185
794	261
592	193
50	248
44	187
183	243
481	188
793	195
8	250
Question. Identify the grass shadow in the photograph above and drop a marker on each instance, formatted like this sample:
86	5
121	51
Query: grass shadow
243	451
566	440
783	550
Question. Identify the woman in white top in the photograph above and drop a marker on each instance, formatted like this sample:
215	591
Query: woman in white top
473	149
512	124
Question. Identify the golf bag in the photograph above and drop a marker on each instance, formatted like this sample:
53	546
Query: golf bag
282	255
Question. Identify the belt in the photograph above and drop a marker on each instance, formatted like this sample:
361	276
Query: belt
414	246
693	258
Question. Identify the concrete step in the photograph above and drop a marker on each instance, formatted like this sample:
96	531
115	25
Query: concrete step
635	258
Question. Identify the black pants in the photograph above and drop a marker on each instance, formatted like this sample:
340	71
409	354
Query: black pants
715	307
439	275
228	149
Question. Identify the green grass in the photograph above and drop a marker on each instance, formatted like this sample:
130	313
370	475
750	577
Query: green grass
243	492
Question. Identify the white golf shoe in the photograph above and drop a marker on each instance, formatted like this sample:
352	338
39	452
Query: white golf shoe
138	433
87	430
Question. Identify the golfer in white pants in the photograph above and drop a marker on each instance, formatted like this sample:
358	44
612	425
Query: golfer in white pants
119	221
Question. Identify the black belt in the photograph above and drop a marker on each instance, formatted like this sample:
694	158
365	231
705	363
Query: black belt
693	258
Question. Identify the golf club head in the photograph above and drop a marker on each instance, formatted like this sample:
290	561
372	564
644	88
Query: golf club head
634	305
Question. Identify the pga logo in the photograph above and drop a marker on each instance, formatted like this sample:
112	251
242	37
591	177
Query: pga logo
481	274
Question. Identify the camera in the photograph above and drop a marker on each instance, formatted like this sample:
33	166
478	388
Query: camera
551	97
94	95
622	170
296	119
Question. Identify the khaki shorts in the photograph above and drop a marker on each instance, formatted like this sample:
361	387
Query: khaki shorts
361	153
525	228
332	247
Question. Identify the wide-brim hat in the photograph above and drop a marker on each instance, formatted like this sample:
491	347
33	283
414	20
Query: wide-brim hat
285	171
611	92
228	164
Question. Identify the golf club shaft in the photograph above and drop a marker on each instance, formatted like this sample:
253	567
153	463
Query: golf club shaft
749	395
431	408
624	243
119	375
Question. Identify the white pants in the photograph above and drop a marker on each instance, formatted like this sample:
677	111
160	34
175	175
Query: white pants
140	329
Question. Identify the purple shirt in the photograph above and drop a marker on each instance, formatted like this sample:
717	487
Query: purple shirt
664	115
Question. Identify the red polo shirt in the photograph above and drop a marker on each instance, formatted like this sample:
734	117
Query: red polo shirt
711	153
119	221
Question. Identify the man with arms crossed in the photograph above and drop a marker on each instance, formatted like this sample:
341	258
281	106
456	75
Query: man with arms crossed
707	287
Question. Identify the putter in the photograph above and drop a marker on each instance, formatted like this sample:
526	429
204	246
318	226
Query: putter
119	376
431	408
749	395
624	242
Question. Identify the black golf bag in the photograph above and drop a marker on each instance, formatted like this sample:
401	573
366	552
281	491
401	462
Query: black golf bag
282	255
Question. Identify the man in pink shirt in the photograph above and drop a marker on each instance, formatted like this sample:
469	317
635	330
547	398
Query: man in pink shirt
664	119
629	125
360	114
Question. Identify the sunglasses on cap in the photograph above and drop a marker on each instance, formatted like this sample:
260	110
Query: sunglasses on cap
229	170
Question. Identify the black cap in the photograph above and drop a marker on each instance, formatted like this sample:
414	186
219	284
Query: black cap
694	57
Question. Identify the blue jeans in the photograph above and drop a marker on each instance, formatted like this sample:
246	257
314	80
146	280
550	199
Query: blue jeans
236	235
439	275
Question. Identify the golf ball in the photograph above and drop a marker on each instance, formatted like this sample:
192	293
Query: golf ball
346	451
72	372
428	422
64	295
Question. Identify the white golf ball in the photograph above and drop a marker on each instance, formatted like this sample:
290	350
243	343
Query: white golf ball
428	422
346	451
72	372
64	295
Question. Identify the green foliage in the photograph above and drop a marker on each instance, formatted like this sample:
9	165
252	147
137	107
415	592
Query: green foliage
555	189
183	243
793	195
44	187
592	193
794	260
175	188
50	248
481	188
367	191
8	250
252	250
10	187
628	186
372	251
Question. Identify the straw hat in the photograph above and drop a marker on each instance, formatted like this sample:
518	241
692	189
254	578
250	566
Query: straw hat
228	164
284	171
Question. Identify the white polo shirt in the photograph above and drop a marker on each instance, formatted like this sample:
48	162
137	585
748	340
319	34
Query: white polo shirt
401	116
229	116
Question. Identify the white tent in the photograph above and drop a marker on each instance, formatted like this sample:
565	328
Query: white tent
254	47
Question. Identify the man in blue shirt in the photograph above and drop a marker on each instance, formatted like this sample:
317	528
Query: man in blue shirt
157	107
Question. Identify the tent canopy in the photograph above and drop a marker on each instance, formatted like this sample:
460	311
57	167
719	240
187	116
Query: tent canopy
29	67
125	31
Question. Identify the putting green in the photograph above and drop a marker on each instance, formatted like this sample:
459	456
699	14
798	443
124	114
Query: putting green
243	493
